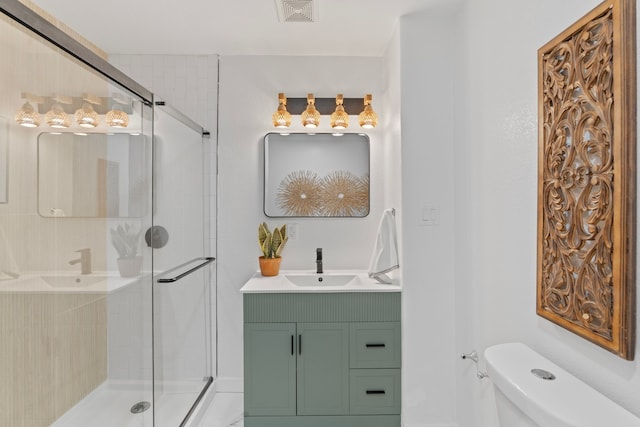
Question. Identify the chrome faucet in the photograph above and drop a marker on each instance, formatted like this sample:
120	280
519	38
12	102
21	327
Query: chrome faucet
84	260
319	261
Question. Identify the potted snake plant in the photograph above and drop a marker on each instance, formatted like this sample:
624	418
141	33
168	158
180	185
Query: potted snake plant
125	240
271	245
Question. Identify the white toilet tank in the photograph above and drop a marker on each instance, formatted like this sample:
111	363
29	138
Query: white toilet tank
550	397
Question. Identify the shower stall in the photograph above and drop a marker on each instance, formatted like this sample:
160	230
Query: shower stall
107	286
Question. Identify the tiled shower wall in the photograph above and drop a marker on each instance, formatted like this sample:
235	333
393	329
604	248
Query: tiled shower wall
53	346
188	83
54	352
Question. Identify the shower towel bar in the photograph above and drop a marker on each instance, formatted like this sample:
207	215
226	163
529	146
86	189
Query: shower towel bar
174	279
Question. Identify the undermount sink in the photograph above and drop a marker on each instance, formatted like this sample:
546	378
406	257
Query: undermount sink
321	279
72	281
308	281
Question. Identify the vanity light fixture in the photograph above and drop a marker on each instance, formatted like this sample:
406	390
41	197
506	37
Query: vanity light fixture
27	116
339	118
57	118
368	119
282	118
337	108
86	116
310	116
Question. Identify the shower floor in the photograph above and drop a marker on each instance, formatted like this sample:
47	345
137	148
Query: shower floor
225	410
110	405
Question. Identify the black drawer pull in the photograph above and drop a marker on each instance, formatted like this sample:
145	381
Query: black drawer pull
375	392
376	345
292	353
300	344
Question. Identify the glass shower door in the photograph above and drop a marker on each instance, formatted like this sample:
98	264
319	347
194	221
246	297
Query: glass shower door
182	271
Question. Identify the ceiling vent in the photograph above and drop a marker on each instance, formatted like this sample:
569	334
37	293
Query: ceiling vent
296	10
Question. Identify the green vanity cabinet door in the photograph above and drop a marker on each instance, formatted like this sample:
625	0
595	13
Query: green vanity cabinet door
323	369
270	369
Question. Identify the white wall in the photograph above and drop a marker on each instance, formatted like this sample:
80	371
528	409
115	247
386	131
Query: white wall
496	190
392	133
470	283
249	86
427	101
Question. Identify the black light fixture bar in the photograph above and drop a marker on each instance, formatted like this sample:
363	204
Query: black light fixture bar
325	106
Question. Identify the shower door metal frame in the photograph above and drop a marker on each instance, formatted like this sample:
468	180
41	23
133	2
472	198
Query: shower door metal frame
45	29
204	261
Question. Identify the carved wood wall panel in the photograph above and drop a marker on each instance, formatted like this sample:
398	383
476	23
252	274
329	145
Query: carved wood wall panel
586	177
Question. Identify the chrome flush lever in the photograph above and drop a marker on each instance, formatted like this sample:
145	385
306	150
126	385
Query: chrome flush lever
473	356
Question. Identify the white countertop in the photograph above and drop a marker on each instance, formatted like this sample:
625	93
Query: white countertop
104	282
281	284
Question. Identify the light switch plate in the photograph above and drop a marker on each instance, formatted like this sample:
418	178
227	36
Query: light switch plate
292	231
429	215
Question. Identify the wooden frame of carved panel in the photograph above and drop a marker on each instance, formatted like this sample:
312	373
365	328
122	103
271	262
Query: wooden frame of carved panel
587	178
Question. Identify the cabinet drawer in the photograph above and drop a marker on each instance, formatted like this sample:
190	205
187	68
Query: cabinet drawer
374	391
375	345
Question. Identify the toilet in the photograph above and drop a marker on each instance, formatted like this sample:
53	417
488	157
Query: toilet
531	391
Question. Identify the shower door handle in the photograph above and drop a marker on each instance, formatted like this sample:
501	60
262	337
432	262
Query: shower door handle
207	260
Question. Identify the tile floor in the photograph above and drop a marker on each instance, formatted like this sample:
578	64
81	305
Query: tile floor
225	411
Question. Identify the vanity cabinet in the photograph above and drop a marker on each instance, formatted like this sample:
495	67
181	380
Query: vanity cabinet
297	369
319	359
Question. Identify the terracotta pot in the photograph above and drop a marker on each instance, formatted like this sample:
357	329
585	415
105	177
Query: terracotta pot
269	266
130	267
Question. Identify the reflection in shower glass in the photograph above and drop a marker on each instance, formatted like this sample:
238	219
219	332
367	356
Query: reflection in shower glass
94	175
75	336
88	336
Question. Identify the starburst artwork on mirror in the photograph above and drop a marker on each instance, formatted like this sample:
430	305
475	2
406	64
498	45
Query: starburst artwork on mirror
342	194
299	193
362	193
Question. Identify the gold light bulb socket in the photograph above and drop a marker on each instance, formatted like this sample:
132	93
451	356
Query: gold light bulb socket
339	118
57	118
86	116
116	118
27	116
368	119
281	118
310	117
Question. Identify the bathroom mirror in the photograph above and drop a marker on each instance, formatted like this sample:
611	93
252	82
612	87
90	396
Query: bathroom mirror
4	164
92	175
316	175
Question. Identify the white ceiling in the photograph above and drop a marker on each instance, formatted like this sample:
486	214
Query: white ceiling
234	27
